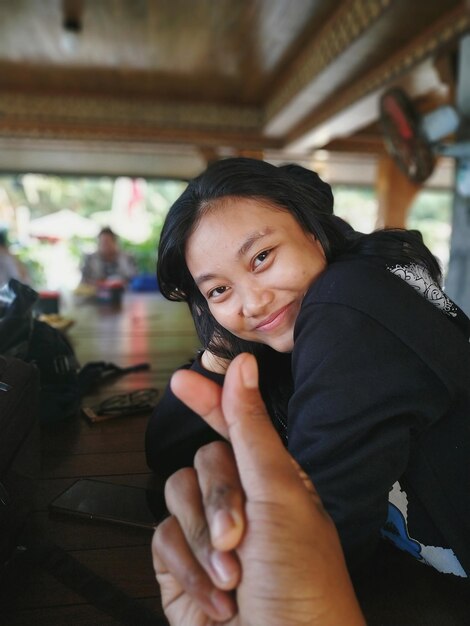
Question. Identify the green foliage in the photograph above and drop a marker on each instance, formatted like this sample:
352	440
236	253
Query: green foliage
30	258
145	254
44	194
431	214
432	205
357	205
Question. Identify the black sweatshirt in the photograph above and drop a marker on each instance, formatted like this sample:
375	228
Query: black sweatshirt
381	399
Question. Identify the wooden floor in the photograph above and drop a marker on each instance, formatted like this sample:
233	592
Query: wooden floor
146	329
150	329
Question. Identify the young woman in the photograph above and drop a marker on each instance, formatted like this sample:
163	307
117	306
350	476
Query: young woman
364	362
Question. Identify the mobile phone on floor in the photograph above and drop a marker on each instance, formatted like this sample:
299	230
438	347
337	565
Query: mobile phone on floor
109	502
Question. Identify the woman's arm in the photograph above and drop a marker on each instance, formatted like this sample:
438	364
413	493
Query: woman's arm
359	394
174	432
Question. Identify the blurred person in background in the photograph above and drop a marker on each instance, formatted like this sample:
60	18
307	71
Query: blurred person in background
109	262
10	265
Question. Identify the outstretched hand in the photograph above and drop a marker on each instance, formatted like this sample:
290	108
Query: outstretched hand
248	542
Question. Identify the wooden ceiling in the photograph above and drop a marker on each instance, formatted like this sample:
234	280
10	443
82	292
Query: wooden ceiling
219	76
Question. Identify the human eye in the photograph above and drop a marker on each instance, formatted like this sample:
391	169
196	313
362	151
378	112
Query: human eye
261	258
217	292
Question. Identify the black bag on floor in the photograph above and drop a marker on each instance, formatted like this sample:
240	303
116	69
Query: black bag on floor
19	451
55	359
24	337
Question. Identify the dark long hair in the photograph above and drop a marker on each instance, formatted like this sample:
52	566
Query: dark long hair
310	201
237	177
289	187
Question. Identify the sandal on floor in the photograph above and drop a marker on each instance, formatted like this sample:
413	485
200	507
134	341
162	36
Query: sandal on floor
121	405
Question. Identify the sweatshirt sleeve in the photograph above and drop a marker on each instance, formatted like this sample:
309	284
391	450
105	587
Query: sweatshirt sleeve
174	432
360	394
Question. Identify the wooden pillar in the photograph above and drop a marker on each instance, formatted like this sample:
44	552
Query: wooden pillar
395	193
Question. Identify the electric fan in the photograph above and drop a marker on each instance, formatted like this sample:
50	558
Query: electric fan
414	141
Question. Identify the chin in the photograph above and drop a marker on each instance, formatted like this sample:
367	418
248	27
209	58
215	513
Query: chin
283	344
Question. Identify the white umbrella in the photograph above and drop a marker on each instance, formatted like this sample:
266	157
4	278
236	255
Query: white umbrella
63	224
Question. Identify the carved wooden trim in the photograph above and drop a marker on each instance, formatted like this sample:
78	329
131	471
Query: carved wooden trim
86	131
102	112
452	26
348	23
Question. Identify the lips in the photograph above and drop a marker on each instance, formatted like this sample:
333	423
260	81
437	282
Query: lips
274	320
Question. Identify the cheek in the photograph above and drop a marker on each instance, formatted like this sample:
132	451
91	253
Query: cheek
314	263
224	316
299	274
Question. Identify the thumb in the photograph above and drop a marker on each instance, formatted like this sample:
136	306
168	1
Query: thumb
264	465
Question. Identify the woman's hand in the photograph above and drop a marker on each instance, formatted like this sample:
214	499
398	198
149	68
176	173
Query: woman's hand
214	363
249	521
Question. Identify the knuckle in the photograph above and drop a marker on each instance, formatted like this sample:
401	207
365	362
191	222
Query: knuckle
210	453
164	532
187	515
220	486
164	536
194	581
220	495
198	536
177	482
182	475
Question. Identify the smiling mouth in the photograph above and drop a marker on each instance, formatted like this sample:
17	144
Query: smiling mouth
273	321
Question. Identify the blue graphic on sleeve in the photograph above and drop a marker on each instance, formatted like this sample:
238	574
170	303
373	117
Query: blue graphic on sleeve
396	531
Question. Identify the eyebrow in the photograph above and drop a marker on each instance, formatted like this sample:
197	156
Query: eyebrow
203	277
244	248
251	240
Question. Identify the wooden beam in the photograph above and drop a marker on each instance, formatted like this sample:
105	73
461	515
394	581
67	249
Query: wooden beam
359	143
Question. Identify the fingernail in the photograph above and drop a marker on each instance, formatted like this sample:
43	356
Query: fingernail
221	567
226	529
249	371
222	604
222	524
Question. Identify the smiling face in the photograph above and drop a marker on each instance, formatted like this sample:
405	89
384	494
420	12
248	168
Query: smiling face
253	263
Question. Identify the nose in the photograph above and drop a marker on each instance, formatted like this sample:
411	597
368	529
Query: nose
255	301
